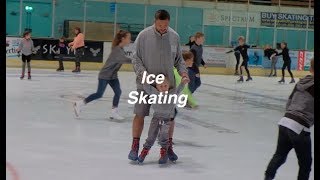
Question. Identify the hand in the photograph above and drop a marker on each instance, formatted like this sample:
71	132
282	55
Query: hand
205	66
198	75
185	77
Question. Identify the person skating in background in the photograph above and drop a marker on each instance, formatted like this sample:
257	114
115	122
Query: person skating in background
294	128
77	46
163	113
62	51
286	62
194	73
243	49
191	41
271	54
26	48
109	74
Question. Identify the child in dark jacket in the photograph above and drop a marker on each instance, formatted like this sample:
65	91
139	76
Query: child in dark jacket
271	54
294	128
286	62
62	51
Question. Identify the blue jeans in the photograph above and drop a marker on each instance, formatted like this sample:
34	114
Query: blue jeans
195	82
102	85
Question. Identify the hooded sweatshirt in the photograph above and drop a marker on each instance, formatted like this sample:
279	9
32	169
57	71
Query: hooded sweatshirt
26	47
300	105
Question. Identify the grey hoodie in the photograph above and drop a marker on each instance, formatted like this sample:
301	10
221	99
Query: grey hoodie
26	46
157	54
300	105
163	110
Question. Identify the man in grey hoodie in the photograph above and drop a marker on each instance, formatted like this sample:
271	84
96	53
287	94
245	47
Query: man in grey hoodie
157	52
294	128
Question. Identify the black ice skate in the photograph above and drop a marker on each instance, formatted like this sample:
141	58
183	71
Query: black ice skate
281	81
249	79
241	79
292	81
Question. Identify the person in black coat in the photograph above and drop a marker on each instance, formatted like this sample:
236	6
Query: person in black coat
286	62
271	54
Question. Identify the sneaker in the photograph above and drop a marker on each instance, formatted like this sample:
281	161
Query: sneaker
115	114
77	107
143	155
133	154
163	156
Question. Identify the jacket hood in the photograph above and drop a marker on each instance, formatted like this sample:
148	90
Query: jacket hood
305	82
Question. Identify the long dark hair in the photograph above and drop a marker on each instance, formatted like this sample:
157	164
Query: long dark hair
118	37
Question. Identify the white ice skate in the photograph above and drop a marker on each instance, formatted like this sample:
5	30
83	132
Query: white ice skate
115	114
77	107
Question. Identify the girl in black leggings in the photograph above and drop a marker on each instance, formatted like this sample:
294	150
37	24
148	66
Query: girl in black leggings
286	62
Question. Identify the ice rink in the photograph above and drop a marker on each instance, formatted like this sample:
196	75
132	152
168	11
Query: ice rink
231	136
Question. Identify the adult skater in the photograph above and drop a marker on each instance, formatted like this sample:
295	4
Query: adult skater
294	129
243	49
271	54
157	52
286	62
109	74
26	48
77	45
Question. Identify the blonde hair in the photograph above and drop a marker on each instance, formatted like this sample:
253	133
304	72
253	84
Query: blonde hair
241	37
198	35
118	37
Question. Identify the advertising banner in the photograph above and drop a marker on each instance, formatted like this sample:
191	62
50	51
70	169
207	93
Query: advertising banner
287	20
12	44
46	49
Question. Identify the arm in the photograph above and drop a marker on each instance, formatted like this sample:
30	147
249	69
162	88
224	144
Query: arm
180	88
150	89
32	47
20	46
202	62
290	97
138	65
77	41
235	49
179	62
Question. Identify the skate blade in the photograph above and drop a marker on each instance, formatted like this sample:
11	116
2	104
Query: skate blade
75	111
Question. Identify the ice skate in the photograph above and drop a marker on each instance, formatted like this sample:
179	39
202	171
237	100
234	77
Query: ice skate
29	75
133	154
249	79
171	155
163	156
77	69
281	81
77	107
143	155
292	81
115	114
22	77
241	79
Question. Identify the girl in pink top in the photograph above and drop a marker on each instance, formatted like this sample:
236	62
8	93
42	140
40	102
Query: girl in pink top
78	46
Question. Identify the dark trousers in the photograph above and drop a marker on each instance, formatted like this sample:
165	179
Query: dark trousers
237	55
24	60
61	60
102	85
79	55
287	140
195	82
245	65
287	64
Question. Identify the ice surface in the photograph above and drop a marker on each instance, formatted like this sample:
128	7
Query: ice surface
232	135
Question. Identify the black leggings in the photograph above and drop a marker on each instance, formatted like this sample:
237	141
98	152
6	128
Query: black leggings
245	65
287	64
237	55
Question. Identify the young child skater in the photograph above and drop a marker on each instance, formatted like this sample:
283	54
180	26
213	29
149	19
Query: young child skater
109	75
243	49
62	51
161	119
294	128
194	73
271	54
286	62
26	48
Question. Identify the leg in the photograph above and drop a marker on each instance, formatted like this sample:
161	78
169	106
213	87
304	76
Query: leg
302	147
28	64
152	133
275	59
192	83
289	69
61	61
283	148
115	85
237	55
197	82
246	68
24	59
283	68
272	66
102	85
163	141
